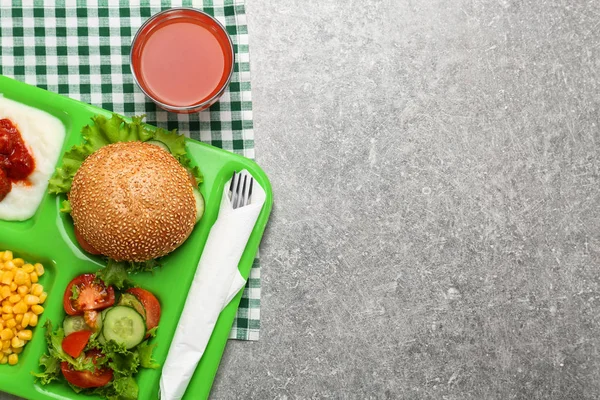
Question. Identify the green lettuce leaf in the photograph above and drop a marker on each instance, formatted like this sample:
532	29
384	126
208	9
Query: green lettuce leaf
175	142
115	274
126	388
120	388
145	355
65	206
124	364
51	369
143	266
122	361
105	131
62	179
76	389
152	332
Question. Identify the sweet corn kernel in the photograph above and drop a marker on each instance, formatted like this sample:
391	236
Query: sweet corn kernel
9	265
39	269
23	290
6	317
7	277
16	342
9	350
26	320
18	350
20	308
21	277
13	287
3	359
6	334
37	309
6	344
31	300
13	359
7	309
28	268
7	256
25	335
36	289
15	298
11	323
18	318
19	262
34	277
33	320
43	297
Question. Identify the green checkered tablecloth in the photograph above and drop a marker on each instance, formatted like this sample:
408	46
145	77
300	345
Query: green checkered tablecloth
81	50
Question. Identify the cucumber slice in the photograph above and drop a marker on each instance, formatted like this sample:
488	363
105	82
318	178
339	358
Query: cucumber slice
74	323
199	204
124	325
159	144
129	300
103	313
101	338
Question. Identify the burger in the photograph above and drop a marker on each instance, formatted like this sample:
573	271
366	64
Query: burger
133	200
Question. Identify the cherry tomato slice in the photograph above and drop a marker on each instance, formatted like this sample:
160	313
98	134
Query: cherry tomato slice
85	293
151	305
74	344
84	244
87	379
91	319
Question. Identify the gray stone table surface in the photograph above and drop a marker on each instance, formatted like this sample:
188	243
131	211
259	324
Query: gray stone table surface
436	230
436	170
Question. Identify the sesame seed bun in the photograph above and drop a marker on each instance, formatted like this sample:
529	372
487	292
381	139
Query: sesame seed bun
133	201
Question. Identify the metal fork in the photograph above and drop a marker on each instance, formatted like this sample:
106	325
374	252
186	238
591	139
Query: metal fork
240	190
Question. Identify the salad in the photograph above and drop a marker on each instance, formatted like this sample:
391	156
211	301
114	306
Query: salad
104	338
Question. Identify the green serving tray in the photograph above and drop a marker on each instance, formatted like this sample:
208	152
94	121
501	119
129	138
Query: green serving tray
48	238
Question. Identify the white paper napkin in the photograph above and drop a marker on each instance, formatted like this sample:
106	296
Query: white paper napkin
216	282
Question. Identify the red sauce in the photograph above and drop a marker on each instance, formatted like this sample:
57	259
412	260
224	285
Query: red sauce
182	58
16	163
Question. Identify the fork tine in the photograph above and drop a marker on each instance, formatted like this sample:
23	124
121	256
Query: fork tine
243	193
237	192
248	193
250	189
231	185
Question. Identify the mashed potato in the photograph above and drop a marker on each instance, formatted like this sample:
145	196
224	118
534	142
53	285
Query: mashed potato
44	135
